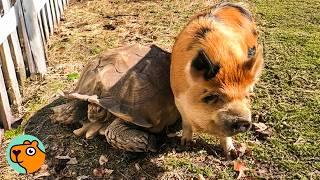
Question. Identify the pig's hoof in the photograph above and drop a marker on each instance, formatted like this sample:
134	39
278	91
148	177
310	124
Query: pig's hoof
186	141
232	154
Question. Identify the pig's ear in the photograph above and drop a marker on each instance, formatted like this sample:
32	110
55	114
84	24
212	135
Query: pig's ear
255	63
203	67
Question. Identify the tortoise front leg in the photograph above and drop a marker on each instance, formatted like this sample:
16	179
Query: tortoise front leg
91	128
71	112
97	113
129	137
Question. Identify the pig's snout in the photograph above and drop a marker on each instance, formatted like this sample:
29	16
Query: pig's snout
235	124
239	125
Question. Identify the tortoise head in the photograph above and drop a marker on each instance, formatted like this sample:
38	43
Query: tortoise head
216	60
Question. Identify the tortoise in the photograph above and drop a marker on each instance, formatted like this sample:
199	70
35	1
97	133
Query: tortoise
125	95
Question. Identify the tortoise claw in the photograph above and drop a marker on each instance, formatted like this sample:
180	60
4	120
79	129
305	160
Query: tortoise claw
102	131
82	130
93	129
90	129
129	137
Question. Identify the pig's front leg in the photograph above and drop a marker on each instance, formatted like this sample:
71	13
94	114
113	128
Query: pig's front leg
228	148
187	133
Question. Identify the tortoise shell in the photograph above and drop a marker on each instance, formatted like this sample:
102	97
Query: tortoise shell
132	83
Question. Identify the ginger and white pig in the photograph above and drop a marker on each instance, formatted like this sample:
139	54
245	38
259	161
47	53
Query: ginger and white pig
216	60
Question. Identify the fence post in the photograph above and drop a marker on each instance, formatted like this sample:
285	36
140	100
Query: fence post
10	76
53	12
17	58
23	36
58	14
45	23
34	35
49	15
5	111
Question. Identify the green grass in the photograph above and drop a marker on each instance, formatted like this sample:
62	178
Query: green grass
13	133
173	163
73	76
288	93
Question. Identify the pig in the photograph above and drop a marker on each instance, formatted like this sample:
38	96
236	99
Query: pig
215	62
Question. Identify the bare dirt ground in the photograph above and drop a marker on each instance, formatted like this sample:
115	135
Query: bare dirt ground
287	97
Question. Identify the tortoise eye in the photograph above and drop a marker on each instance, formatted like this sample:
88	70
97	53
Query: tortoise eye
251	52
212	98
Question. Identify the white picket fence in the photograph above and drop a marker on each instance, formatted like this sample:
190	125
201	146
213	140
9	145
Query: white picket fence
25	27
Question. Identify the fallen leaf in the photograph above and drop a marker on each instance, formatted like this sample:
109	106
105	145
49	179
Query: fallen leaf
108	171
63	157
103	159
44	167
240	167
98	172
82	177
262	130
260	126
137	166
244	150
72	161
43	172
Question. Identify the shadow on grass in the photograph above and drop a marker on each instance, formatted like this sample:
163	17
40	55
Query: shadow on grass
60	141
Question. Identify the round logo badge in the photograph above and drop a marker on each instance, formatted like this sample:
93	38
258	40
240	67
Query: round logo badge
25	154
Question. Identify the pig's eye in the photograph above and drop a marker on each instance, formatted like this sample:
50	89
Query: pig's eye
251	52
212	98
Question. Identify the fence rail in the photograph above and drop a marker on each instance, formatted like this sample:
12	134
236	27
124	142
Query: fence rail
25	27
